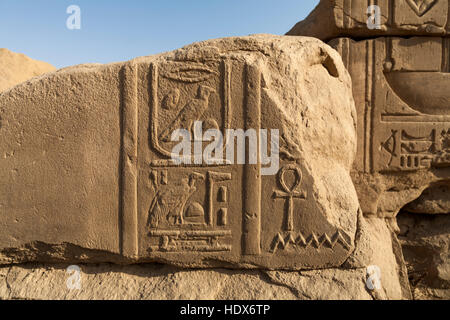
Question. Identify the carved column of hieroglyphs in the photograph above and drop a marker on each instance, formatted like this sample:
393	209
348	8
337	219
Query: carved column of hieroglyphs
215	211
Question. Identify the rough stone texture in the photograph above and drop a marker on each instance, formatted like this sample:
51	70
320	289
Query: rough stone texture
90	178
125	202
337	18
401	79
373	238
16	68
434	200
426	247
158	282
377	246
403	124
374	246
400	86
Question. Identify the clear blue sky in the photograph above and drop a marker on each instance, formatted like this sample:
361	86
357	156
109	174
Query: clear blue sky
113	30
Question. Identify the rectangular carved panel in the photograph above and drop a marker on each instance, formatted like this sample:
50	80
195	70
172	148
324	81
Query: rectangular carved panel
401	89
199	214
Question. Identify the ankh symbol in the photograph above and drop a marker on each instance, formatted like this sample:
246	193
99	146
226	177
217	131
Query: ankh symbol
289	193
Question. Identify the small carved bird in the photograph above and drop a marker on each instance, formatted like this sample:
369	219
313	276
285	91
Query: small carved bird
169	201
192	111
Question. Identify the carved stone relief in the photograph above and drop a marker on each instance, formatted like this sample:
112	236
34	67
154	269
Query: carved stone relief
129	201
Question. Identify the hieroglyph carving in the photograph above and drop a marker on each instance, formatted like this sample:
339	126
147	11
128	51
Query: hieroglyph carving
173	214
288	238
215	209
362	19
403	102
94	162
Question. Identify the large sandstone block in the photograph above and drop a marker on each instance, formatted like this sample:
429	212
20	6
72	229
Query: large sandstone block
400	76
401	89
87	174
157	282
334	18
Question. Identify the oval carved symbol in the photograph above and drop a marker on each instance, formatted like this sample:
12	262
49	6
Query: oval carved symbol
189	73
426	92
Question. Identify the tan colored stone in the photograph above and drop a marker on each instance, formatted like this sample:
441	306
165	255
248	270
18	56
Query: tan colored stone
137	282
434	200
331	284
337	18
400	86
16	68
425	240
401	92
377	247
374	247
90	177
153	282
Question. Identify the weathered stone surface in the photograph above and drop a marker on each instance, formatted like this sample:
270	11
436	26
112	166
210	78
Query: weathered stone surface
16	68
400	86
337	18
155	282
89	176
377	247
434	200
374	247
425	240
401	92
159	282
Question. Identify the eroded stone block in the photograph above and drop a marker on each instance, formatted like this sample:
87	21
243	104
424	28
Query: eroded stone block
401	89
334	18
88	172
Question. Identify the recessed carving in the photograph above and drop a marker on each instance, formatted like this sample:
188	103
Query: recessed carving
296	241
289	193
113	191
425	92
421	7
403	107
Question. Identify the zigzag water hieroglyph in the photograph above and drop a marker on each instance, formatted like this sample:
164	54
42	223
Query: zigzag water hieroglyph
297	241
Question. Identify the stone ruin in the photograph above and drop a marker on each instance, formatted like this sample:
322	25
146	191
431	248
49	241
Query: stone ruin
401	84
401	79
364	133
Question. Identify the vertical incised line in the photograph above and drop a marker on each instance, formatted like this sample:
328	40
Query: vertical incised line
368	105
347	13
372	99
344	51
446	55
448	18
391	12
348	53
129	152
252	172
226	66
